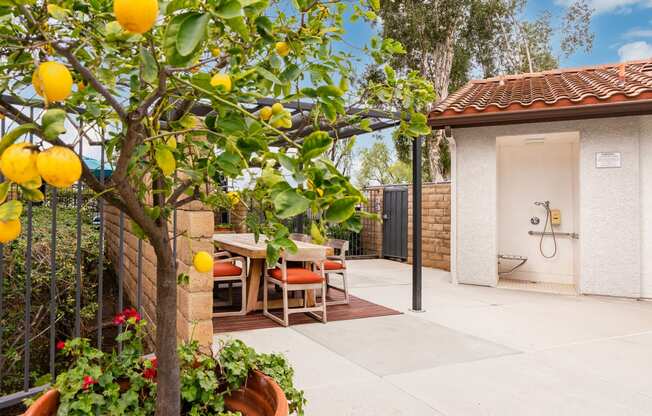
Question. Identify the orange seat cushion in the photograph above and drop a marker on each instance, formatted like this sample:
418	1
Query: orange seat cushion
333	265
297	275
226	269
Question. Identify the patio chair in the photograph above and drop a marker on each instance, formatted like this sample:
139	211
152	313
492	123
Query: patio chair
226	271
293	279
337	265
301	237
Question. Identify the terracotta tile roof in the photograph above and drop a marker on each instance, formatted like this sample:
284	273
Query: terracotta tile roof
557	89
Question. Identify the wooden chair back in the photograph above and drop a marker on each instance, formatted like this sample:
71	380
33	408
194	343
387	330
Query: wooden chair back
301	237
340	246
315	255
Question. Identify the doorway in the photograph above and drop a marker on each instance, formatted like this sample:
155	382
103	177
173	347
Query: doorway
538	212
395	210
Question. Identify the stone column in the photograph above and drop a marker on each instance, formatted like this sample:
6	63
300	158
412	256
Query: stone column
195	225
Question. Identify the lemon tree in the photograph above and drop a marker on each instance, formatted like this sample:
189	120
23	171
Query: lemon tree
139	67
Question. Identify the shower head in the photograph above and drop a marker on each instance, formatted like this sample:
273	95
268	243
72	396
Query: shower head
542	203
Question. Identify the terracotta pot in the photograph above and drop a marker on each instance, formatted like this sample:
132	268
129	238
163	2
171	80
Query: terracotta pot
262	396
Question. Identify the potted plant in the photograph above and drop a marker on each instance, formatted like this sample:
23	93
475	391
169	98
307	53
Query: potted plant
235	379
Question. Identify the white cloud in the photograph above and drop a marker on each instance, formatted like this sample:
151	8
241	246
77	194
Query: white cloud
638	33
635	50
607	6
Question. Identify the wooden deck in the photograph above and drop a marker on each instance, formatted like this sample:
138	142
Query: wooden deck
356	309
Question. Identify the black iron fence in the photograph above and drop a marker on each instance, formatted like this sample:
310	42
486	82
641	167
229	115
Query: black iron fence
56	281
363	244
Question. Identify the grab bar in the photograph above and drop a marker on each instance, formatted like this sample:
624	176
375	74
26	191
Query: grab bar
574	236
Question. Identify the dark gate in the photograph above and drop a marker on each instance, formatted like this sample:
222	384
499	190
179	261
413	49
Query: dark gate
395	209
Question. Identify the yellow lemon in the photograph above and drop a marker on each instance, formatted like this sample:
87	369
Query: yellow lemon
19	163
52	81
216	51
222	79
286	122
59	166
277	108
137	16
233	197
266	113
9	231
203	262
282	48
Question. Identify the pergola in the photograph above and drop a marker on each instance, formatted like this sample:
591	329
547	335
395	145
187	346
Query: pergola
377	120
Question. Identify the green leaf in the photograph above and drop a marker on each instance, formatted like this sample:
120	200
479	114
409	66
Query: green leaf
315	234
289	203
33	195
329	91
165	160
374	4
341	209
9	138
58	13
11	210
290	73
315	144
265	27
239	26
229	9
191	33
138	231
148	67
53	123
33	183
170	42
229	163
4	191
268	75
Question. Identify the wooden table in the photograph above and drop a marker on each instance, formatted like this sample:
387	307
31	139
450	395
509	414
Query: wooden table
244	245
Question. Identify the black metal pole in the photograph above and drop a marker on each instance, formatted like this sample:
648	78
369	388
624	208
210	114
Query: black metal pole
416	224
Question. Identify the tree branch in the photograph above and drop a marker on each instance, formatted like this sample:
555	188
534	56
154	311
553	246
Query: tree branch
180	190
91	79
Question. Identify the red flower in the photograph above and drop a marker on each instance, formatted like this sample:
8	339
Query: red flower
88	381
132	313
119	319
150	372
61	345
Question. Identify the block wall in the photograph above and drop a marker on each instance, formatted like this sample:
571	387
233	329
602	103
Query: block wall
195	300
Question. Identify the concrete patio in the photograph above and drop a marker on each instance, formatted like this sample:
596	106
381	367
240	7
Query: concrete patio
475	351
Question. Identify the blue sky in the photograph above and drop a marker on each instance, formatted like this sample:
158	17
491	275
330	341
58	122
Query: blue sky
622	28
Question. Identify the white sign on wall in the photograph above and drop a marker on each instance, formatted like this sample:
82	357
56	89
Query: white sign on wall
608	160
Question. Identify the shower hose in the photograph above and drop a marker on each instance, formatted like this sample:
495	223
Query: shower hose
552	231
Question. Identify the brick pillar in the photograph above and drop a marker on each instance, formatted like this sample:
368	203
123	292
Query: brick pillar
435	227
195	225
238	216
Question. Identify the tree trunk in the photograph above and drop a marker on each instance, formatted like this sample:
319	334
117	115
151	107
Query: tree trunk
168	397
437	69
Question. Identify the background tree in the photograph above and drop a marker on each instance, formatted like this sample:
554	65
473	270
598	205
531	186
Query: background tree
379	167
448	40
140	69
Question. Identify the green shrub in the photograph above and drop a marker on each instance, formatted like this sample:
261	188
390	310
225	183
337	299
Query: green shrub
12	320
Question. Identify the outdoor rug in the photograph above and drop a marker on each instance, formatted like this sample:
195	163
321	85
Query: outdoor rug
356	309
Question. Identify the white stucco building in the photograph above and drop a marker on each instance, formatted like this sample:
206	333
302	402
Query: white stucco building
580	139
